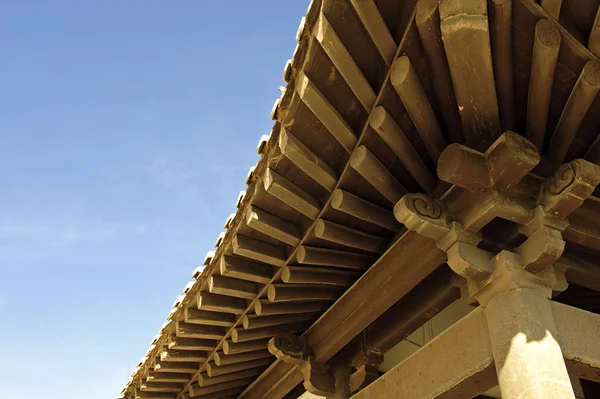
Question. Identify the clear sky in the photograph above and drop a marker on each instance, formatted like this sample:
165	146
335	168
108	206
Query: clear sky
126	131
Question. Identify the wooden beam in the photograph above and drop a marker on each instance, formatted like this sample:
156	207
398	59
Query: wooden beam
546	44
196	316
273	226
404	79
227	394
222	359
395	138
154	395
157	376
196	390
325	112
318	275
188	330
552	7
428	23
302	292
583	94
150	386
220	303
244	269
232	348
232	287
241	335
204	380
373	171
375	25
213	370
176	367
335	258
339	234
173	355
254	321
459	363
343	61
359	208
465	31
594	40
290	194
261	251
178	343
306	160
265	307
580	268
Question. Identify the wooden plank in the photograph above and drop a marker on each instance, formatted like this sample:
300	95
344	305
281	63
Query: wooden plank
204	380
369	167
220	303
244	269
197	316
362	209
302	292
254	321
339	234
330	257
325	112
232	348
261	251
465	31
406	83
265	307
318	275
371	18
306	160
501	34
333	46
394	137
188	330
222	359
289	193
546	45
232	287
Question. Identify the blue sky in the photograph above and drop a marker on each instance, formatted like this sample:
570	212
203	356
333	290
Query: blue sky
126	131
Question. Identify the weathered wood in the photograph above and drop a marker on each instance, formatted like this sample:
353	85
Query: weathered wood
333	46
157	376
261	251
306	160
464	167
220	303
465	32
325	112
292	195
318	275
579	270
349	237
302	292
178	343
232	348
227	394
271	225
222	359
369	167
176	367
375	25
241	335
254	321
395	138
188	330
265	307
501	34
150	386
546	45
428	23
204	380
154	395
552	7
583	94
331	257
232	287
244	269
594	40
196	390
213	370
411	92
197	316
172	355
359	208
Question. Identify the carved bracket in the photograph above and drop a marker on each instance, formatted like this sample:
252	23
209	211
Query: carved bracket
423	214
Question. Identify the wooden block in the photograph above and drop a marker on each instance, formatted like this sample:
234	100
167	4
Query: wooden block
318	275
265	307
331	257
197	316
583	94
302	292
289	193
339	234
222	359
240	335
395	138
178	343
325	112
220	303
428	23
546	45
188	330
254	321
172	355
466	36
213	370
369	167
406	83
375	25
244	269
258	250
231	348
232	287
204	380
157	376
272	226
333	46
306	160
359	208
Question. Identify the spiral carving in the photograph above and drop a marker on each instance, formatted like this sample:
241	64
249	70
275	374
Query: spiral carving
289	345
424	206
563	178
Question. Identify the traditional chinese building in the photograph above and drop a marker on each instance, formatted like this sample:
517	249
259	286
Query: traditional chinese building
423	221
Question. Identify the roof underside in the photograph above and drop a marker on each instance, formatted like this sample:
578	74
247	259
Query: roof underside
373	96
